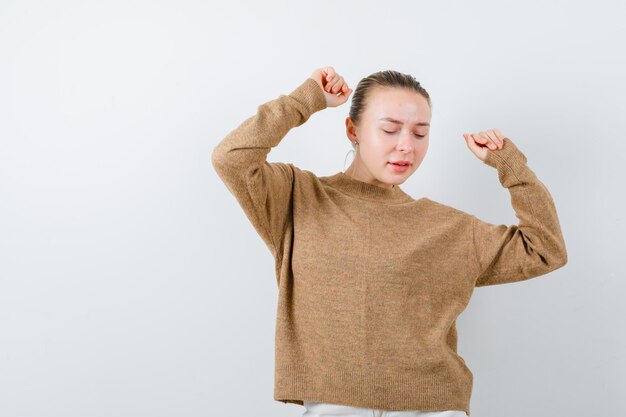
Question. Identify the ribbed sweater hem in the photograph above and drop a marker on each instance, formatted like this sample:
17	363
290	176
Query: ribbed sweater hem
381	391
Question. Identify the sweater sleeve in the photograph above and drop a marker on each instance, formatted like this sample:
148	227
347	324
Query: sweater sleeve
533	247
264	189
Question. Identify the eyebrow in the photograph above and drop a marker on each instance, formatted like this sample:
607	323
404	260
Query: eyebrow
392	120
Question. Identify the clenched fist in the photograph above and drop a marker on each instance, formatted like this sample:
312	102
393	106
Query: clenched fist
480	143
333	85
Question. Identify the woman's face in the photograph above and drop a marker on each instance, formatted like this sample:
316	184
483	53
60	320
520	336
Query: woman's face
394	126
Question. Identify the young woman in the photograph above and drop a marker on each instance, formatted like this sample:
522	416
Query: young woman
370	280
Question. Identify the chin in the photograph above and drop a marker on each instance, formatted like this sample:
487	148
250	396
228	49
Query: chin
396	181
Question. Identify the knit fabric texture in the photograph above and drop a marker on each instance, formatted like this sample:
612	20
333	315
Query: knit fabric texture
370	280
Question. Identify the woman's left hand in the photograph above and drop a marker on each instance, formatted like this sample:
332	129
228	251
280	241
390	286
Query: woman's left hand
481	143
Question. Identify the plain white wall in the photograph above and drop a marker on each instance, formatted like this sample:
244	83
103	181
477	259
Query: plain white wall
131	283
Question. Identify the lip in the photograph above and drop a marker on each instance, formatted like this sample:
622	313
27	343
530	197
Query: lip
399	168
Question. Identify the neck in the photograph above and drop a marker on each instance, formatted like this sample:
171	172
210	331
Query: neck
364	177
362	190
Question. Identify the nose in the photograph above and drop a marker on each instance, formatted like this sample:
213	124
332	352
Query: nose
405	143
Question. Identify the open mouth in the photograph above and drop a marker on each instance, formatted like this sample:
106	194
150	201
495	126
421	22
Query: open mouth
400	166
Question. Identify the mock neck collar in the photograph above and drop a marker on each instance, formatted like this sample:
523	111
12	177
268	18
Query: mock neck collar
366	191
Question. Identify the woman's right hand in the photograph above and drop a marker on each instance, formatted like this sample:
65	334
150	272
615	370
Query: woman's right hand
333	85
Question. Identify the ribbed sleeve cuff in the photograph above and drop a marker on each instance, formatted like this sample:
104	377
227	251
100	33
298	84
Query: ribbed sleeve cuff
310	95
508	157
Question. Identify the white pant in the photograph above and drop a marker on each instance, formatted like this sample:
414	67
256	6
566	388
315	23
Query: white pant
314	409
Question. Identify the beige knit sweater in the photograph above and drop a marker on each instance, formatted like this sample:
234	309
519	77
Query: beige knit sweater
370	280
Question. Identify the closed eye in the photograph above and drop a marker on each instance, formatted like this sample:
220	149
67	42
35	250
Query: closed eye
419	136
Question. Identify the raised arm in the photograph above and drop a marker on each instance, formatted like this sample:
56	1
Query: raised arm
529	249
264	189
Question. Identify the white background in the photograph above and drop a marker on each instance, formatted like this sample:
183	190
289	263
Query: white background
131	283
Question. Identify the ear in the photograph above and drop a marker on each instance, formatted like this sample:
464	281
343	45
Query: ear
350	130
